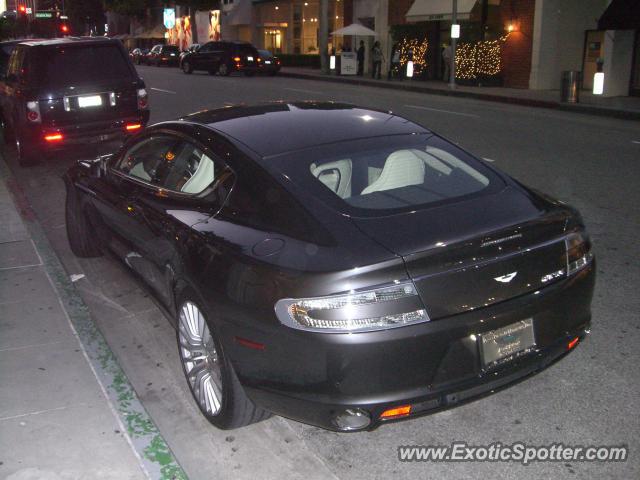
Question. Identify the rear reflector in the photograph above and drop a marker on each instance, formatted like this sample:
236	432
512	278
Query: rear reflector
53	137
573	343
245	342
133	126
402	411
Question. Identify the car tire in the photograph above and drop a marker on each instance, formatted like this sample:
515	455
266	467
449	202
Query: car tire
273	74
82	239
224	70
214	385
187	68
26	155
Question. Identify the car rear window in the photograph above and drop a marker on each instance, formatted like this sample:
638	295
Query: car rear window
387	174
81	64
246	50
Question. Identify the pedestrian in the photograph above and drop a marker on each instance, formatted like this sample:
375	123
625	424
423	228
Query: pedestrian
360	58
446	59
394	68
377	58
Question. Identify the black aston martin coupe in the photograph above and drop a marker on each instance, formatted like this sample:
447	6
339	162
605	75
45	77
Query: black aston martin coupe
339	266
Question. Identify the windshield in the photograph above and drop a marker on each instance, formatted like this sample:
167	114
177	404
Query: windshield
383	175
82	64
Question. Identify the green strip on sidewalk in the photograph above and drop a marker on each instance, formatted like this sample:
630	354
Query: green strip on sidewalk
155	456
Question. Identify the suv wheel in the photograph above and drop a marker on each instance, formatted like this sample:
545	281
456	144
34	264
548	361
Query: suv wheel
26	155
210	375
223	69
186	67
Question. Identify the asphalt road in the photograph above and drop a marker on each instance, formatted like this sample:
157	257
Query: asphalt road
589	398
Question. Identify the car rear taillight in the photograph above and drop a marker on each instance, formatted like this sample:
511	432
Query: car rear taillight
236	59
54	137
143	99
33	112
380	308
396	412
130	127
579	253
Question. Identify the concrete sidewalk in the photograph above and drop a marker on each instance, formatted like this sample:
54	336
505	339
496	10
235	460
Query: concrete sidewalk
67	411
618	107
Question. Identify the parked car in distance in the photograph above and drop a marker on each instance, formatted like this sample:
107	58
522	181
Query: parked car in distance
339	266
268	63
222	58
63	92
138	55
191	48
164	55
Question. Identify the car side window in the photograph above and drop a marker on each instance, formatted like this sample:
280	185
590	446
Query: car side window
173	164
146	160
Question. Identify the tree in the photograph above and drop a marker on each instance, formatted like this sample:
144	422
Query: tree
85	12
132	8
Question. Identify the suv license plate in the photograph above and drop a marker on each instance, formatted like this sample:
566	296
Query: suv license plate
90	101
506	343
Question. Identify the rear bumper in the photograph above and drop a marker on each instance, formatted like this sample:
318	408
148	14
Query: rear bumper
431	366
81	133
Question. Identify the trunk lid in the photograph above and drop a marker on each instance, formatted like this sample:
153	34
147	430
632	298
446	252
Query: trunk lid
469	255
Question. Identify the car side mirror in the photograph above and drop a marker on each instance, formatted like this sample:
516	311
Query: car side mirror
98	166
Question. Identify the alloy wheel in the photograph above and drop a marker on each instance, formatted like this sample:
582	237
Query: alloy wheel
200	359
223	69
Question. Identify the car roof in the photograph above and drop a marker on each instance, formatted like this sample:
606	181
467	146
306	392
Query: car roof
68	41
279	127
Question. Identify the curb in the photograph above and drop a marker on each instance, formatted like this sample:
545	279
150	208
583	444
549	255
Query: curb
154	455
529	102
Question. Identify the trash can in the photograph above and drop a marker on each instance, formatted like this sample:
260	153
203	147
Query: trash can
570	87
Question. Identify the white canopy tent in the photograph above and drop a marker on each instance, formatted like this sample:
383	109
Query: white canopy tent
355	29
426	10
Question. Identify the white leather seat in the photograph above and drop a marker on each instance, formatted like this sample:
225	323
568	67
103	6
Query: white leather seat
202	178
401	169
335	175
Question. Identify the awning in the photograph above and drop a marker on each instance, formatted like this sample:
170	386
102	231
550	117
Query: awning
621	15
240	14
432	10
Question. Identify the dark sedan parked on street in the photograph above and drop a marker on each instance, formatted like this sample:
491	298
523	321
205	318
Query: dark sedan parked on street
168	55
339	266
222	58
268	63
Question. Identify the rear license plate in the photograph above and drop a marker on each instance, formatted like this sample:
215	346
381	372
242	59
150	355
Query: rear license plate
506	343
90	101
250	59
268	62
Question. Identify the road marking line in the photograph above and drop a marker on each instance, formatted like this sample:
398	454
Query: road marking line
22	266
38	412
163	90
303	90
488	159
635	141
420	107
11	349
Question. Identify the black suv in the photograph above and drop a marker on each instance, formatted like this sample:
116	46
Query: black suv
222	58
71	91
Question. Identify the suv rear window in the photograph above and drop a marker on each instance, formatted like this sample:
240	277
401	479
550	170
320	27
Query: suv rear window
81	64
246	50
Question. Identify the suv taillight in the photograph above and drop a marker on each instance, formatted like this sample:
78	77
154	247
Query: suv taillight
33	112
143	99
